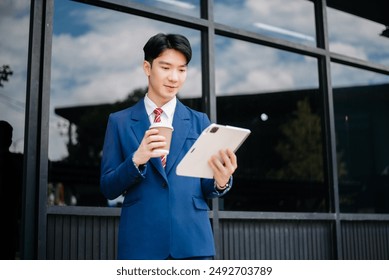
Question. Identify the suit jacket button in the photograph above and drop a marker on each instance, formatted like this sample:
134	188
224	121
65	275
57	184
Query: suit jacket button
164	185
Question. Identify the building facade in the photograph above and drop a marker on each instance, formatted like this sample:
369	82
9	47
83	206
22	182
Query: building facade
310	79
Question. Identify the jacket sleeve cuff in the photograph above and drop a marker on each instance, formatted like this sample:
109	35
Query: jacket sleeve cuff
223	191
141	168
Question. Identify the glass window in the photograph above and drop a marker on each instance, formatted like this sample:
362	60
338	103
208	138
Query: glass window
274	94
97	58
292	20
357	37
14	31
361	104
186	7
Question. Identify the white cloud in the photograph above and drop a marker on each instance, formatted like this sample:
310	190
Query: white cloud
357	37
247	68
276	13
344	76
285	15
350	50
8	8
98	65
105	64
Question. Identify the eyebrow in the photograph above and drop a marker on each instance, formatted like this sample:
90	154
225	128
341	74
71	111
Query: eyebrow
168	63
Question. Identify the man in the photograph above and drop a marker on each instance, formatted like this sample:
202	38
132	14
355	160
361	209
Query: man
164	216
11	168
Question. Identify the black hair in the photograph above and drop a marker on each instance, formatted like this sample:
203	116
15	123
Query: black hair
161	42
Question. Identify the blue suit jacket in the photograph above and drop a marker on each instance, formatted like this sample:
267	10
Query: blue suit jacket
162	214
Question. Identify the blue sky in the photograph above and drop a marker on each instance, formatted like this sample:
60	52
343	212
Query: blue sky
67	18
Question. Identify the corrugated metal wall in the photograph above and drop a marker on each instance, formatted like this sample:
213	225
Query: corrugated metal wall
95	237
276	240
73	237
364	240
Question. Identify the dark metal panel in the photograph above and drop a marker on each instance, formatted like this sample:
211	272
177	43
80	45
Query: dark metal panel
82	237
73	238
246	215
81	249
251	237
223	251
382	236
66	237
84	211
95	237
111	239
103	239
277	240
96	234
116	234
256	240
366	240
267	234
88	238
346	241
112	228
50	249
58	241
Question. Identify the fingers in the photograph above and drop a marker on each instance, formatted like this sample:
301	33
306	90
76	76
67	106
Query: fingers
229	160
152	135
149	147
156	143
223	166
152	142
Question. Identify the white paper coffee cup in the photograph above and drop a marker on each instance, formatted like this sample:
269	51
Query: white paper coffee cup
164	130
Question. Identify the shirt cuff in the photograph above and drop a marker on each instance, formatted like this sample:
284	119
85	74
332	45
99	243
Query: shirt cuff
225	190
141	168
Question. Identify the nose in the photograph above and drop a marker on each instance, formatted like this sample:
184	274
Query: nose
173	75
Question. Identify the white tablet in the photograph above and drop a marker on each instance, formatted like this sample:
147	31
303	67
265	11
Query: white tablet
214	138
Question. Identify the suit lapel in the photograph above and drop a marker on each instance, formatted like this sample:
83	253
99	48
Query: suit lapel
141	121
181	125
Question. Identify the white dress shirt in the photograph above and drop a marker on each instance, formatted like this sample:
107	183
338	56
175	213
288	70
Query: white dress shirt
168	110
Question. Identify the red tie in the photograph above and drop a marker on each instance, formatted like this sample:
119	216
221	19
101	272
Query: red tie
157	118
158	112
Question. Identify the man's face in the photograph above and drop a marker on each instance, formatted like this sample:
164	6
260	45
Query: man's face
166	76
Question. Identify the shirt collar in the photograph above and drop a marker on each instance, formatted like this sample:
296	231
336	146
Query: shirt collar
168	108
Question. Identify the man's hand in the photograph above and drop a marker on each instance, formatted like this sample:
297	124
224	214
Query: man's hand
146	150
223	166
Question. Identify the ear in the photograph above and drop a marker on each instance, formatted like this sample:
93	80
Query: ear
147	67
